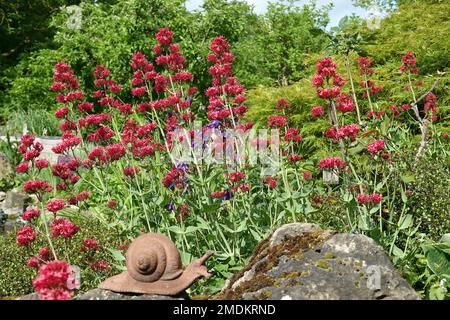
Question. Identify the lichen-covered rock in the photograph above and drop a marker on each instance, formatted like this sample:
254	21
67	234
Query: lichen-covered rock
301	261
100	294
15	203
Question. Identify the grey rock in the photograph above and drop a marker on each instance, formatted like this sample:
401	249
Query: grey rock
15	203
2	196
100	294
302	261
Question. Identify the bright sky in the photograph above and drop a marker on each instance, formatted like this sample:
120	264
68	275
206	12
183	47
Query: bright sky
341	8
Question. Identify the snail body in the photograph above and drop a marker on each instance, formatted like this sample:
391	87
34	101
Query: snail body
154	267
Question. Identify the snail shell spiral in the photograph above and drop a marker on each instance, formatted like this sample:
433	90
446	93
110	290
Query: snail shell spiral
152	257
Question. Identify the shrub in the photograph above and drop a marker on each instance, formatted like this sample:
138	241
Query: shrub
16	275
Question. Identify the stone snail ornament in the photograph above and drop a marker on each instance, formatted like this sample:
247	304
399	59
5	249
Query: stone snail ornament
154	267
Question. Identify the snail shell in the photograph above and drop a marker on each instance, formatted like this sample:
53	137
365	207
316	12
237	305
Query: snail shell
152	257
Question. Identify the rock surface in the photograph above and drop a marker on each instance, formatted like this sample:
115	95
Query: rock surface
301	261
100	294
14	203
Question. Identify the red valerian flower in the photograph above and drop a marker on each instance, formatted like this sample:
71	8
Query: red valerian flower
83	196
375	146
52	281
130	171
55	205
115	151
307	175
332	162
294	157
277	121
218	194
62	112
111	204
282	103
348	131
292	135
36	186
364	66
317	111
33	262
30	214
41	164
374	198
345	103
90	244
271	182
63	227
27	139
45	254
236	176
409	63
99	265
26	235
22	167
164	36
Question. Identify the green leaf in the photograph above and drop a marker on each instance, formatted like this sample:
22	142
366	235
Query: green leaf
405	222
117	254
438	259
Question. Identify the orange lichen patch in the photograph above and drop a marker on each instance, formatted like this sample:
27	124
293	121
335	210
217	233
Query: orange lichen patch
267	258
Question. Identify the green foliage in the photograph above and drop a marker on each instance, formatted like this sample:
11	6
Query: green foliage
429	202
16	277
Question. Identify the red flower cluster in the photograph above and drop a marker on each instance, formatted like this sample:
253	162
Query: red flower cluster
375	146
55	205
63	227
26	235
375	114
30	214
374	198
90	245
292	135
277	121
370	88
99	265
347	131
236	176
44	255
409	63
130	171
174	179
430	103
332	162
52	281
327	81
364	64
37	186
317	111
345	103
30	150
224	87
282	103
271	182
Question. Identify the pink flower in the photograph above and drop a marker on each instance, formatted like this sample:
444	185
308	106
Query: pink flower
282	104
111	204
375	146
45	254
52	281
271	182
90	244
130	171
62	112
277	121
307	175
33	262
332	162
22	167
55	205
236	176
362	198
376	198
37	186
99	265
30	214
41	164
317	111
218	194
27	139
63	227
83	196
26	235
